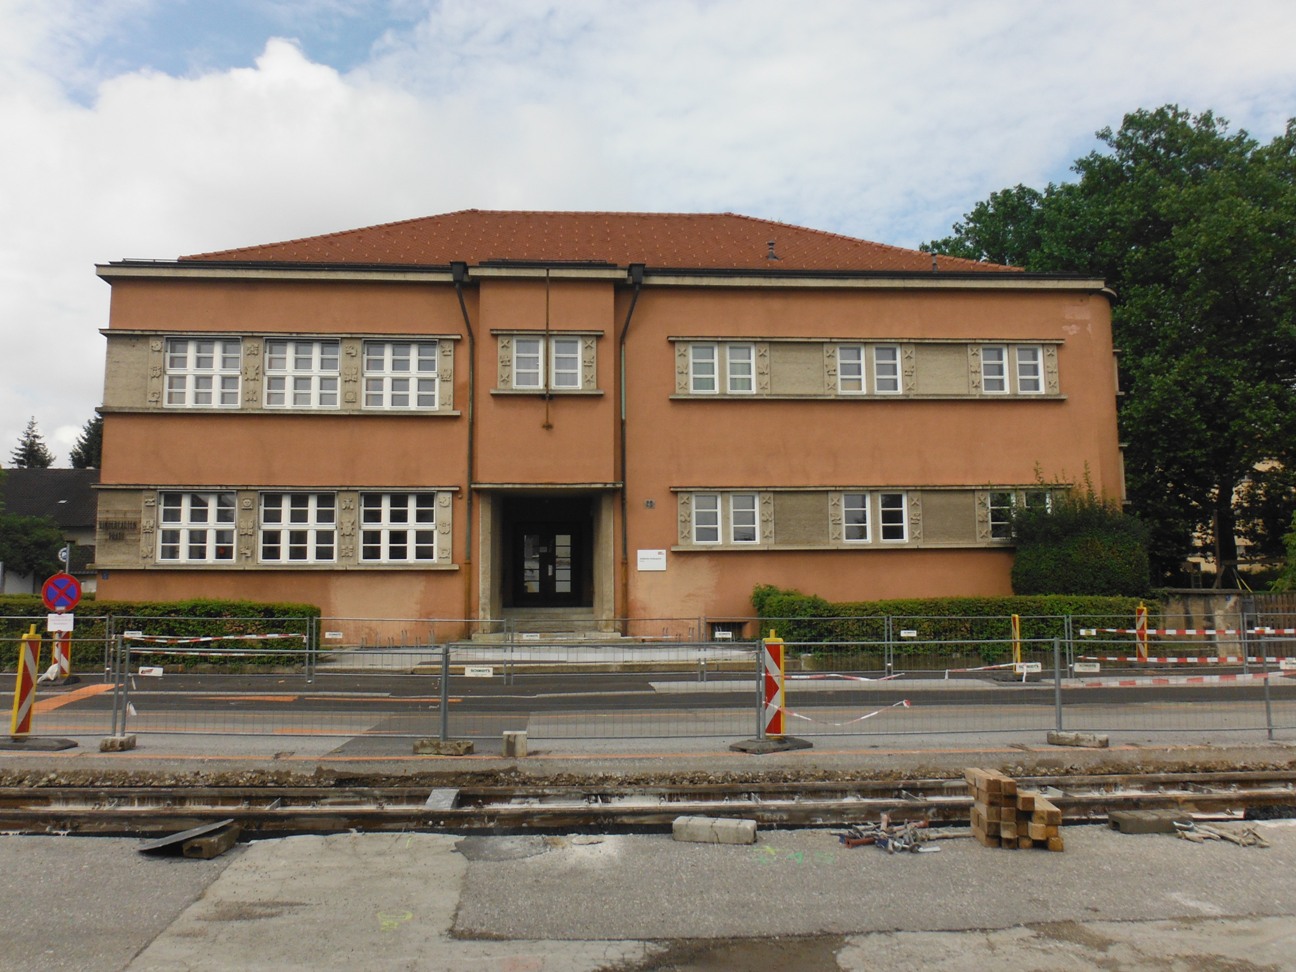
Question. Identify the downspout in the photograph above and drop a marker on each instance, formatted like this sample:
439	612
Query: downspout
459	272
636	278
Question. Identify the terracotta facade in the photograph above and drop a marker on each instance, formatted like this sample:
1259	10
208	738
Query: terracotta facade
612	432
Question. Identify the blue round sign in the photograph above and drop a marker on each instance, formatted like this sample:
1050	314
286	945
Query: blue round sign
62	592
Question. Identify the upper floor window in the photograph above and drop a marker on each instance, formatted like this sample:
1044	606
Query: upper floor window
728	368
852	366
850	369
301	374
398	527
196	528
886	369
703	370
400	374
298	527
1030	370
203	372
870	517
546	362
994	369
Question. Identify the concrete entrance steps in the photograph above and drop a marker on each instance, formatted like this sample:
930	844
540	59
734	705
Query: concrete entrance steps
550	626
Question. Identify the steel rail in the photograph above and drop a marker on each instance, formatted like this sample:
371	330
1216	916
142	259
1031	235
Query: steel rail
141	810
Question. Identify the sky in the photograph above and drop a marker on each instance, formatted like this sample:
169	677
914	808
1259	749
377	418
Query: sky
158	128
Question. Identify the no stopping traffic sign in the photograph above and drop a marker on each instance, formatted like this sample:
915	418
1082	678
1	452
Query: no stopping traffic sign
62	592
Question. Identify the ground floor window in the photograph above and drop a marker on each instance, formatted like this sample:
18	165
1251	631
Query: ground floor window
298	528
398	527
196	528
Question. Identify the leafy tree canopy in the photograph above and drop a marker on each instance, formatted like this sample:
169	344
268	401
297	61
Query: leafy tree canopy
1190	223
31	451
30	544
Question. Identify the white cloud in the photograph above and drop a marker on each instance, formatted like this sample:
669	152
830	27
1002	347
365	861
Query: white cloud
879	119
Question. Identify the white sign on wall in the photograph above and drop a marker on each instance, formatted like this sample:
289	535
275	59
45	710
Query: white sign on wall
652	559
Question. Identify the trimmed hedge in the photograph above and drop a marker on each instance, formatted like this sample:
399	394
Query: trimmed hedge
194	619
801	617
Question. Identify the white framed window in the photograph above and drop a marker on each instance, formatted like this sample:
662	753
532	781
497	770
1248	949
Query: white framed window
893	520
740	369
855	517
203	372
702	369
994	369
744	520
400	374
1037	499
298	528
528	356
726	518
301	374
552	363
1030	369
196	528
1000	504
886	369
850	369
565	363
398	527
706	517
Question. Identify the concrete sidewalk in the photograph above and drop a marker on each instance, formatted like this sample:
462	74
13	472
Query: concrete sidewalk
797	899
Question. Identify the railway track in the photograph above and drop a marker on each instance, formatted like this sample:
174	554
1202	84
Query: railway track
283	810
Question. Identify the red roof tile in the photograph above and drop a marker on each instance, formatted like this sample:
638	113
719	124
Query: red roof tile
685	241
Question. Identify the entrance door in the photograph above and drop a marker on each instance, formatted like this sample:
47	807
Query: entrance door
546	564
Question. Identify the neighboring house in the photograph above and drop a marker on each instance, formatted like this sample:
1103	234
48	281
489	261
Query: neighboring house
606	416
66	496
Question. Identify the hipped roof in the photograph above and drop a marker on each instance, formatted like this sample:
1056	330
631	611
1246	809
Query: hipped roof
678	241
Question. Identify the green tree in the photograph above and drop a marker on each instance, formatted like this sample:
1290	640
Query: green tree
1190	224
30	544
87	453
31	451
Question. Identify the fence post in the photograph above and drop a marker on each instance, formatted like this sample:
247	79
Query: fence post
445	692
114	669
1264	677
888	652
1057	683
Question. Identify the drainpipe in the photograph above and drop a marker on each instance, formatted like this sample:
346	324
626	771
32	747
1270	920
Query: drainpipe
459	272
636	278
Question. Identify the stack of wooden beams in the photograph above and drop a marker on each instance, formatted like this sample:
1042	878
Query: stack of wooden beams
1003	816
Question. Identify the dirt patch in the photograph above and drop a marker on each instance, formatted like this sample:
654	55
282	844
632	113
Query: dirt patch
816	954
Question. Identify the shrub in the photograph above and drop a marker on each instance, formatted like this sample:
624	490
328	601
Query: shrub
1083	545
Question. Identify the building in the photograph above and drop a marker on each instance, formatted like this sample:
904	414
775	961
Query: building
66	496
605	416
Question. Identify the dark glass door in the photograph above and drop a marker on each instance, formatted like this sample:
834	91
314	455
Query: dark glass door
546	567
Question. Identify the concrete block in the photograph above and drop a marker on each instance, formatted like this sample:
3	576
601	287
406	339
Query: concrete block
1147	821
714	830
1088	740
515	744
435	747
116	744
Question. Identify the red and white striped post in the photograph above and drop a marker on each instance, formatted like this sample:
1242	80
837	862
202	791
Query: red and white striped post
1141	632
772	715
61	645
25	687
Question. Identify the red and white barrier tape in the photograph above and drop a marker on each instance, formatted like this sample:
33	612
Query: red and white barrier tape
1182	680
178	640
869	715
847	678
983	668
1201	660
1194	632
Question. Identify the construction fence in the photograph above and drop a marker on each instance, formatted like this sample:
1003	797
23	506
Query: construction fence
358	684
